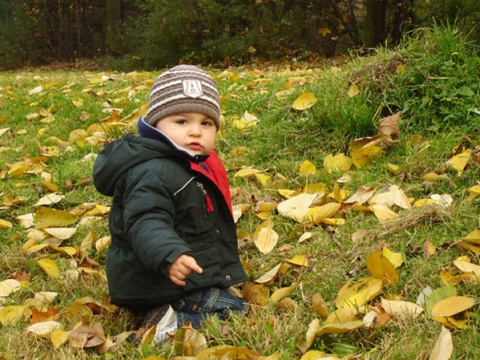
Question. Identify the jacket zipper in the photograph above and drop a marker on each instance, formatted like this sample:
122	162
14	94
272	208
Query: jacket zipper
208	202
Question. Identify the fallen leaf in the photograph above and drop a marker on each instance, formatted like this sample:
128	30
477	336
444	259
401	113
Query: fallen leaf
304	101
452	306
307	169
400	308
310	336
443	348
337	163
44	329
266	240
49	267
460	161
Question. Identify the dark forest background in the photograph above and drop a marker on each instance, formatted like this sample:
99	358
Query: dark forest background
151	34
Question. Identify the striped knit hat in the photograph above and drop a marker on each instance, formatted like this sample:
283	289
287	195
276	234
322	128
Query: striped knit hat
183	88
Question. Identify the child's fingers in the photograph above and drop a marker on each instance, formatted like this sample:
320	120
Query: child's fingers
192	264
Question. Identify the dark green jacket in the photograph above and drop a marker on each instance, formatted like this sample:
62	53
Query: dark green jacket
165	203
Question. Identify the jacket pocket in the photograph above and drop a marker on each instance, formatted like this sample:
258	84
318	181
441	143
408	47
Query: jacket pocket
208	258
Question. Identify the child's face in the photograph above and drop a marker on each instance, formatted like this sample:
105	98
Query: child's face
194	132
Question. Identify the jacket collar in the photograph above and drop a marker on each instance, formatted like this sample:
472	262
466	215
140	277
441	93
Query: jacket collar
148	131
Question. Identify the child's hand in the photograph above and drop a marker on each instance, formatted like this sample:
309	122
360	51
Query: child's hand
181	268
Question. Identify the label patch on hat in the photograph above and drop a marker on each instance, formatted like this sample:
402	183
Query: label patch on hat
192	88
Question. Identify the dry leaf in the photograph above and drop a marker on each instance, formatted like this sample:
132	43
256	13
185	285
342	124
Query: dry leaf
281	293
304	101
355	294
269	275
44	329
310	336
400	308
452	306
49	267
337	163
266	240
353	91
460	161
443	348
381	268
307	169
9	286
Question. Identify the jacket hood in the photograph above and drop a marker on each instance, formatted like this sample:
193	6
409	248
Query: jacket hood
120	155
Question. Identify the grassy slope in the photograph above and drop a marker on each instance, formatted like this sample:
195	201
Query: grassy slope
435	87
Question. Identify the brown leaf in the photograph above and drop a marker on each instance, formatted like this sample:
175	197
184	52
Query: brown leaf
389	127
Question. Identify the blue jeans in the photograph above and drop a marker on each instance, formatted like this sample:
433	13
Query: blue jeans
204	303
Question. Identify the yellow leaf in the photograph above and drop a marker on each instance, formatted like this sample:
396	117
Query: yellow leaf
300	260
452	306
353	91
247	173
98	210
337	163
318	213
428	248
341	328
103	243
394	169
381	268
365	155
58	338
263	179
307	168
77	135
12	314
458	162
443	348
383	213
266	240
469	247
468	268
363	195
343	315
46	217
5	224
44	329
423	202
289	207
317	355
258	294
395	258
400	308
269	275
239	150
310	336
359	293
279	294
9	286
77	102
49	267
474	191
18	169
473	237
61	233
50	186
286	193
400	69
304	101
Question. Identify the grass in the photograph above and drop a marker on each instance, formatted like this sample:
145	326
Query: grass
436	88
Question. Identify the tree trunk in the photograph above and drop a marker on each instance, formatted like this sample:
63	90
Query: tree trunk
114	16
376	17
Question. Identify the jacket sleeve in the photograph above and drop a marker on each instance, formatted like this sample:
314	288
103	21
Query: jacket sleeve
149	220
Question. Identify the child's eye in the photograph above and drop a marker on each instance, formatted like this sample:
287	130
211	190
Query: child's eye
208	123
181	121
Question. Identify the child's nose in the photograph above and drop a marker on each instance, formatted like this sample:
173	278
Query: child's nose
195	130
